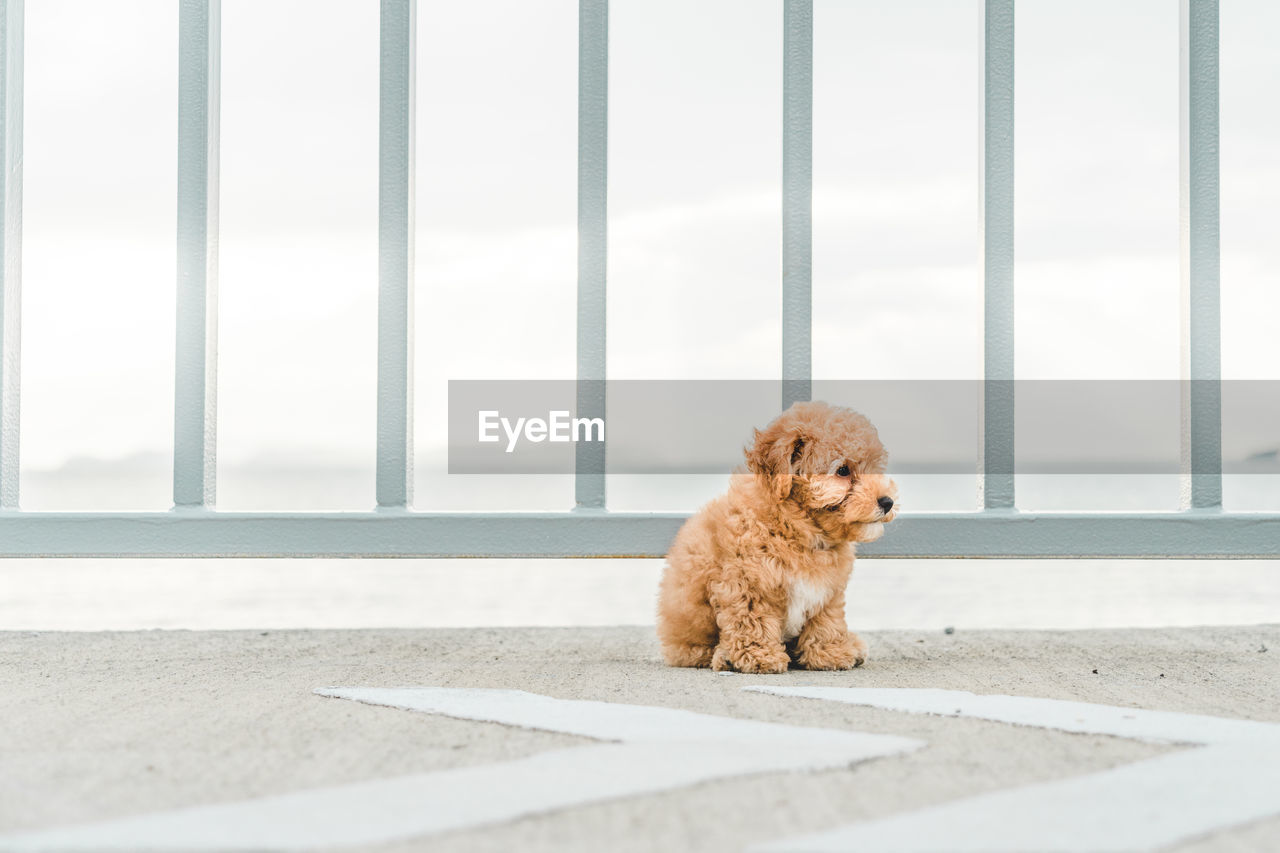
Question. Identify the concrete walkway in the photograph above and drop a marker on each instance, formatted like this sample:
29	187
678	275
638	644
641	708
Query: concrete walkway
105	725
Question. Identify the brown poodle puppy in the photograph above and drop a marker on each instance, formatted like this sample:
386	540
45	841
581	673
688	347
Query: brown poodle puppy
756	578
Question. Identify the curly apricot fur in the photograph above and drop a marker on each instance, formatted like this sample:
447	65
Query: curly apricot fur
779	547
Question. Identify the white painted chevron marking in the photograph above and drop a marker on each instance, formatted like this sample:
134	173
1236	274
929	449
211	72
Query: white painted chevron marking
1231	779
1081	717
656	749
610	721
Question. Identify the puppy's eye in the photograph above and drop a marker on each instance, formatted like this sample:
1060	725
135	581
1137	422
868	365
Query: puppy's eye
842	471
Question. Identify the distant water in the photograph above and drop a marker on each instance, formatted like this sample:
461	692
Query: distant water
924	594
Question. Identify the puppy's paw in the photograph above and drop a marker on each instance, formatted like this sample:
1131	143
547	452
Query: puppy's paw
754	659
859	649
846	654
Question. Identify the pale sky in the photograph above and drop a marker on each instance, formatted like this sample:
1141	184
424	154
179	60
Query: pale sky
695	164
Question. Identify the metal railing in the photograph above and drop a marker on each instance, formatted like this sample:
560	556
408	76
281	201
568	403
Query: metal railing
994	529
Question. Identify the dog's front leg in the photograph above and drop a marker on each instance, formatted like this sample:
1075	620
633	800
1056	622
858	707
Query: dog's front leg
750	629
825	641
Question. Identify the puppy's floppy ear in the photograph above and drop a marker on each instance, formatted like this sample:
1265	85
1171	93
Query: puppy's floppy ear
773	455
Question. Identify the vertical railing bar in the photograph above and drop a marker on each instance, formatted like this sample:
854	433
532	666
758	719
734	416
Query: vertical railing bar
396	129
593	134
1199	219
996	448
196	357
797	201
11	74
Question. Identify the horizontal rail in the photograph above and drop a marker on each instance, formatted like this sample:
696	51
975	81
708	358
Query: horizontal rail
196	533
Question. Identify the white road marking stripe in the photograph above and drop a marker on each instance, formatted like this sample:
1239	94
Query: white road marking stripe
605	720
1141	806
662	749
1081	717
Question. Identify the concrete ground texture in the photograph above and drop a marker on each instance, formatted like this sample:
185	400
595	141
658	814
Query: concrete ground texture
104	725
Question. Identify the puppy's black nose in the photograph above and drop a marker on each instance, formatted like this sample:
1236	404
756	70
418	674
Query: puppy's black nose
886	503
